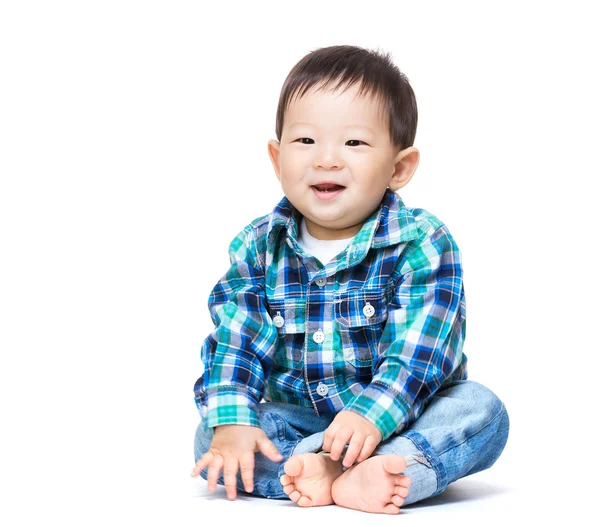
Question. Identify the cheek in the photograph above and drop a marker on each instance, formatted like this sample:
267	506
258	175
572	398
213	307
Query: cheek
372	168
367	161
293	167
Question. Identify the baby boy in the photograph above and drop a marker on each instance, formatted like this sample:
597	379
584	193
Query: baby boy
335	372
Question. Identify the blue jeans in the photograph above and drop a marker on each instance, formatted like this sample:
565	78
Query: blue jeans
462	431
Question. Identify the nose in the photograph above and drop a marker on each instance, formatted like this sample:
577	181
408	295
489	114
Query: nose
328	158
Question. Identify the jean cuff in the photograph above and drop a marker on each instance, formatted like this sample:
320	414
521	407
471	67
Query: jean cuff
431	457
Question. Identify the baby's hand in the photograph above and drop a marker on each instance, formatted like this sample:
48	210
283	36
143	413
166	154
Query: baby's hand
350	427
233	448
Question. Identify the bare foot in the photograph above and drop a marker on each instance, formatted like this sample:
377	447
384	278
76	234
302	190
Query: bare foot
375	485
308	478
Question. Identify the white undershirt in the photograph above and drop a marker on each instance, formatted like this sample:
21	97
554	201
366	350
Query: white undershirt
323	250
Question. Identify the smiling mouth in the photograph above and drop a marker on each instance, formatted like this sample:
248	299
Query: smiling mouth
327	192
328	187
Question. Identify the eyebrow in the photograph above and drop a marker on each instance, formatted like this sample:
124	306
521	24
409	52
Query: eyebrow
368	128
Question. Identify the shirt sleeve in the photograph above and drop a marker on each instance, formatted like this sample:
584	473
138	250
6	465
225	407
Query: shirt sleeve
421	344
237	355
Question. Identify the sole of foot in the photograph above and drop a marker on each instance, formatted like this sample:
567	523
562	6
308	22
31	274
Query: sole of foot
375	485
309	477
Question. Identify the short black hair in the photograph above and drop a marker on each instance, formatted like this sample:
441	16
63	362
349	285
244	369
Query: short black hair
378	76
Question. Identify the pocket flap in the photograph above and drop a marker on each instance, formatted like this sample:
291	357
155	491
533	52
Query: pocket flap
352	308
293	313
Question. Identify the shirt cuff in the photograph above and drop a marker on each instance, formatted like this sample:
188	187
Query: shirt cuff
231	405
383	406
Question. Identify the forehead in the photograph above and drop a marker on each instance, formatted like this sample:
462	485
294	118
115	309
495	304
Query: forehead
341	106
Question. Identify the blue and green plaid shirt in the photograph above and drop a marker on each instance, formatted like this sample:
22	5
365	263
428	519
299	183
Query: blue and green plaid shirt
377	330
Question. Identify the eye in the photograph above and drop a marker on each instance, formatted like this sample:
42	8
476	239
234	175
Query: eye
302	140
356	141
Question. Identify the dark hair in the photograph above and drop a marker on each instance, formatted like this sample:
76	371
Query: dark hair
378	76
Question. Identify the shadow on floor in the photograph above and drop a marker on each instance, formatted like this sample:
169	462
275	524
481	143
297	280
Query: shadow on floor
462	491
458	492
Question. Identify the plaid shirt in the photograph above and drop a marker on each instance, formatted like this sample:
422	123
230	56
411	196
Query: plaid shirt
376	331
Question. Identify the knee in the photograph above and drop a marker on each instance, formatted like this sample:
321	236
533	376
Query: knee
481	401
496	417
487	424
487	400
492	410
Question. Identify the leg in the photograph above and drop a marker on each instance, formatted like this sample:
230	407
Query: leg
286	426
462	431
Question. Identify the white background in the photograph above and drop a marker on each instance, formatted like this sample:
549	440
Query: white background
133	147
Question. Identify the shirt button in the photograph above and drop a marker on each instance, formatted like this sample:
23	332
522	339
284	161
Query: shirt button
319	337
278	320
368	310
322	389
348	353
321	281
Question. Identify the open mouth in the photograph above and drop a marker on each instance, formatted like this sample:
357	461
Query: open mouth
327	191
328	187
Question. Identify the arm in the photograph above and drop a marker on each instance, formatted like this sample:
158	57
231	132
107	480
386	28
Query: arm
421	345
237	354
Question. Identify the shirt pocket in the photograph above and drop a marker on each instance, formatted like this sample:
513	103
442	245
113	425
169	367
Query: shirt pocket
289	318
360	316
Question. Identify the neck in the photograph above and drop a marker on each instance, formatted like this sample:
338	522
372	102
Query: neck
321	233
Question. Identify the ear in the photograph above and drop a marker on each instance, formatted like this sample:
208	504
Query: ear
405	164
273	148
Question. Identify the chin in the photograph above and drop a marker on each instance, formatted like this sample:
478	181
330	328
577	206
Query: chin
329	222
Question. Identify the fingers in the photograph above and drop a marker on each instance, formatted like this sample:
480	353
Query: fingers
201	464
232	450
247	470
269	449
368	448
354	449
341	438
359	446
230	476
330	436
214	469
230	466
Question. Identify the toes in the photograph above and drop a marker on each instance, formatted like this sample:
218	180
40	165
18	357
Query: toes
397	500
390	508
305	501
293	466
403	481
288	489
288	486
295	495
394	463
401	491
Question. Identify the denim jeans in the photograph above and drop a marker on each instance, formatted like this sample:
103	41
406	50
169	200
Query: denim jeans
463	430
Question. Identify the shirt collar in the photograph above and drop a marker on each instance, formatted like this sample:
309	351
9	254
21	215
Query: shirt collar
389	224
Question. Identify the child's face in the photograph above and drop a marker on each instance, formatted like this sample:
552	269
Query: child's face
337	137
